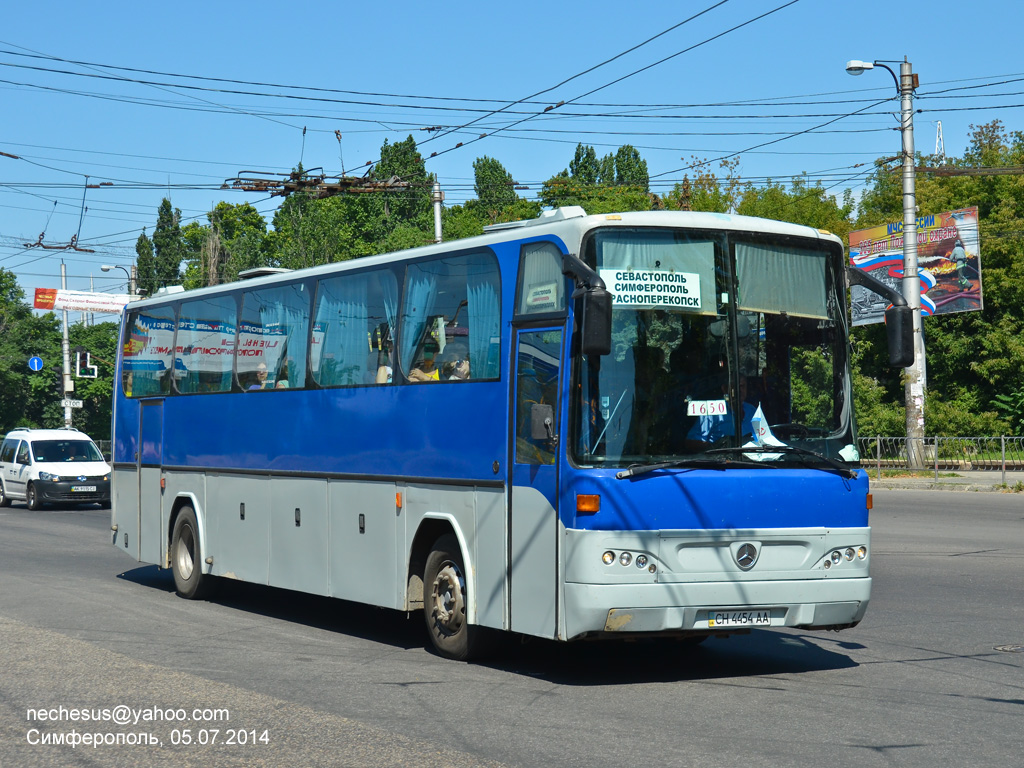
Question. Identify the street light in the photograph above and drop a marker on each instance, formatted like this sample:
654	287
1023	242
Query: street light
131	275
916	376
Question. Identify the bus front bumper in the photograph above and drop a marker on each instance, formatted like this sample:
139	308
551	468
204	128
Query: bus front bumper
713	607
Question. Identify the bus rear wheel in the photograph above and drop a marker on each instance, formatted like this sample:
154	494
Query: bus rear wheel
185	553
445	599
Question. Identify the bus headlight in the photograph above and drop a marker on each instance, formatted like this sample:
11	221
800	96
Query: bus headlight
625	558
849	553
608	557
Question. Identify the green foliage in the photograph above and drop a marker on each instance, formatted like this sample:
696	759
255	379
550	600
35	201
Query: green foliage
705	191
145	265
27	396
235	240
168	245
805	202
494	185
1011	407
974	359
100	341
613	184
960	416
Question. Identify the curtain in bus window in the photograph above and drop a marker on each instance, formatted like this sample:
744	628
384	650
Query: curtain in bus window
644	269
484	322
542	284
343	319
420	297
272	338
775	279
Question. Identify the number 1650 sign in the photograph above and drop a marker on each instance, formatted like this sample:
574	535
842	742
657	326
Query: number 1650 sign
706	408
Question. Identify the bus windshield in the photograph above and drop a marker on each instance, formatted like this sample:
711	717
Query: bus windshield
719	341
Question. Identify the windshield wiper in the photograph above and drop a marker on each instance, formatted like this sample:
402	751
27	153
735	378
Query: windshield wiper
793	449
699	462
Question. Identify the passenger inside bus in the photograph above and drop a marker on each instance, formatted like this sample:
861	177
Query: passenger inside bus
455	365
426	369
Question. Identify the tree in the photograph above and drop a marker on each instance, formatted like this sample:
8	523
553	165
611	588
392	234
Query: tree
494	185
595	184
168	244
706	192
100	341
145	265
974	358
29	398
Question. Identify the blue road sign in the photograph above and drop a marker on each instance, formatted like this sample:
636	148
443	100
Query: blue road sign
35	363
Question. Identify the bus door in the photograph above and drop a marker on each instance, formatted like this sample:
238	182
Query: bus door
533	515
148	541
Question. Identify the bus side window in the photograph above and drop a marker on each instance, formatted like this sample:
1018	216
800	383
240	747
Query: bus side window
147	359
451	319
541	283
271	351
353	329
205	345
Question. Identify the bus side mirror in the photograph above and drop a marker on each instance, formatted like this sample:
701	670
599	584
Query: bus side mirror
596	322
899	332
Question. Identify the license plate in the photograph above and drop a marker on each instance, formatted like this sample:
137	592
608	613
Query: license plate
726	619
84	488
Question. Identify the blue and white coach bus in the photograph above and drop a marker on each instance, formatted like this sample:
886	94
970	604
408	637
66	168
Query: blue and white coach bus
570	427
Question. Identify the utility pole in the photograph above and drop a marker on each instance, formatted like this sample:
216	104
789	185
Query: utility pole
915	375
437	197
69	385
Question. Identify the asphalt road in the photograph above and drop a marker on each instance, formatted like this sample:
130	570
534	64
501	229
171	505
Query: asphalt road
269	677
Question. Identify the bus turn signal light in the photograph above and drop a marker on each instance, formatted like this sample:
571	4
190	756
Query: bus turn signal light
588	503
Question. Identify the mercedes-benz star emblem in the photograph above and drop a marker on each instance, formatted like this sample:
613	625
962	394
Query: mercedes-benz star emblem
746	556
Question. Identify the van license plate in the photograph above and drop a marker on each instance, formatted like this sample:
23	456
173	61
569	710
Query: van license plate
84	488
731	619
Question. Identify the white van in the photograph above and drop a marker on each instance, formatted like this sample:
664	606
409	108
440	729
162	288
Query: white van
55	466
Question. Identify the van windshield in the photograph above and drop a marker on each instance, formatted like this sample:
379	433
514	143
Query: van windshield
66	450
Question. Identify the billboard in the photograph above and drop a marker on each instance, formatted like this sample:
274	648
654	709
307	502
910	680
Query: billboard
80	301
948	260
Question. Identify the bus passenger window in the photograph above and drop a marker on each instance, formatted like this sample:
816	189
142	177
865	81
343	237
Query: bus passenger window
272	335
205	345
353	329
451	320
146	360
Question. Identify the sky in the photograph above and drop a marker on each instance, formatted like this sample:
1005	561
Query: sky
110	107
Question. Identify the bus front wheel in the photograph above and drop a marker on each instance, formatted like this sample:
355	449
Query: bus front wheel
185	554
444	601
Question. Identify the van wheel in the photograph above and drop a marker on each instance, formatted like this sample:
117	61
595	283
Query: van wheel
5	500
185	553
32	498
445	600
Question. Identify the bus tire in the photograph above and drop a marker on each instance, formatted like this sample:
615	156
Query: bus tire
32	498
185	556
5	500
445	599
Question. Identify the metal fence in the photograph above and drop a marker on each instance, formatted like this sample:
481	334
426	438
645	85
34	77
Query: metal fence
994	454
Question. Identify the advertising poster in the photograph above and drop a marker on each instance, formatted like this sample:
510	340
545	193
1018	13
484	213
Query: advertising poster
948	260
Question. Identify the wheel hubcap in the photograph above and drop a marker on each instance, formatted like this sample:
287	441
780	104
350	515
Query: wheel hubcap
185	546
449	601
